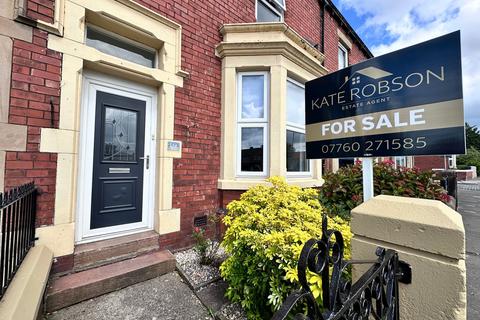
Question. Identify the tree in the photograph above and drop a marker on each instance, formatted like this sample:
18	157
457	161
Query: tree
472	134
472	158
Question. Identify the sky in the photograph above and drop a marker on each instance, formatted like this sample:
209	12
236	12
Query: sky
388	25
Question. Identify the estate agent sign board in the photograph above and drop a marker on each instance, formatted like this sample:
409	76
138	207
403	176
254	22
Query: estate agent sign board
408	102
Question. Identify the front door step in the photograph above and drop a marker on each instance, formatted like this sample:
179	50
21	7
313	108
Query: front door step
95	254
71	289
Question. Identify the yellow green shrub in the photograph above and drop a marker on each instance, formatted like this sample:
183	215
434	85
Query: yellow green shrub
266	231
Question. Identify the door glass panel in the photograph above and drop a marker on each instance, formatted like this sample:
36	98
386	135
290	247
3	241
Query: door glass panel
120	142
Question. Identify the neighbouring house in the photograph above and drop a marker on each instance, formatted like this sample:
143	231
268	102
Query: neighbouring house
134	116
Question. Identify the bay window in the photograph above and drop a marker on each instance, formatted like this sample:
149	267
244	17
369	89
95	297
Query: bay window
263	121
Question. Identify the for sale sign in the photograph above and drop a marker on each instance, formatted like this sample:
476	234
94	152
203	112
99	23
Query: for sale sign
408	102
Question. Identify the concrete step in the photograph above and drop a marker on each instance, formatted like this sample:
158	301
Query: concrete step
73	288
95	254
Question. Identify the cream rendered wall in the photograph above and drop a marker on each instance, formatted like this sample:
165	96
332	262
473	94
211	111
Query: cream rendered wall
24	296
429	236
152	29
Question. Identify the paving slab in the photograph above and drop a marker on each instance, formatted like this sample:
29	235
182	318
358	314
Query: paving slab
213	295
163	298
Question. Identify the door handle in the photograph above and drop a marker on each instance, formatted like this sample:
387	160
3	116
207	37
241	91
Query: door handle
147	158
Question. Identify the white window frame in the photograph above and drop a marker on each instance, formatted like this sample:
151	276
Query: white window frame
123	39
345	50
275	10
253	123
402	159
300	129
283	6
452	161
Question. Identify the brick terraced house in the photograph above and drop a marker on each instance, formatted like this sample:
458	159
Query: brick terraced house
133	118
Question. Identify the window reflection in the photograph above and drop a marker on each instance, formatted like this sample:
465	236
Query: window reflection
295	104
296	147
111	45
253	96
296	152
252	149
266	14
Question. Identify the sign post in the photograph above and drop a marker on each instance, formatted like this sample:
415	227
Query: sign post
367	175
405	103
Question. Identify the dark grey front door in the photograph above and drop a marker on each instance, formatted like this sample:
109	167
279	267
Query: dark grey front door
117	186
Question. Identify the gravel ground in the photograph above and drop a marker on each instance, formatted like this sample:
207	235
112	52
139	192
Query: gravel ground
189	261
233	312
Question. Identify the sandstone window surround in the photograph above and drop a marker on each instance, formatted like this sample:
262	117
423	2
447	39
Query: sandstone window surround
143	26
279	52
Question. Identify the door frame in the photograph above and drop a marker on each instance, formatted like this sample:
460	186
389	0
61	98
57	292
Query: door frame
92	82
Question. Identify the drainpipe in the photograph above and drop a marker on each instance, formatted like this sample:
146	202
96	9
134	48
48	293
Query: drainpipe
323	6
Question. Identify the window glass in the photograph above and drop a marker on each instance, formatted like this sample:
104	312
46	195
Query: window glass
295	104
345	162
253	96
296	147
342	58
120	140
252	149
296	152
400	161
120	48
266	14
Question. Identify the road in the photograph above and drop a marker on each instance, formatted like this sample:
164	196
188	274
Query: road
469	208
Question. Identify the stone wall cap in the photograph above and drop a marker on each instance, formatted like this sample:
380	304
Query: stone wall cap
426	225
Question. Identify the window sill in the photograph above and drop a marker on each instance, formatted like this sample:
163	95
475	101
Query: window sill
244	184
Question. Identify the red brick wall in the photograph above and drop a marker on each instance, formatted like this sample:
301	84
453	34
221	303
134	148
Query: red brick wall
430	162
355	55
464	175
303	16
35	80
226	196
41	10
197	104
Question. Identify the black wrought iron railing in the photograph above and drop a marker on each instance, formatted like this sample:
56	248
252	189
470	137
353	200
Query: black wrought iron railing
373	296
17	233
